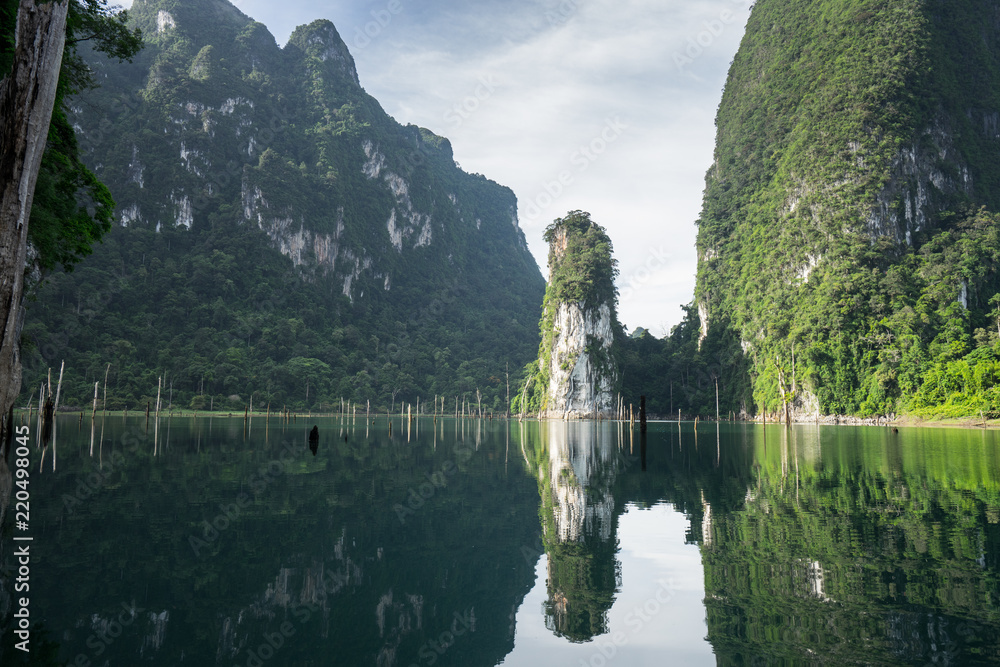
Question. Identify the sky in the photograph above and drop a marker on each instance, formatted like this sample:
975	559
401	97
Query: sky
605	106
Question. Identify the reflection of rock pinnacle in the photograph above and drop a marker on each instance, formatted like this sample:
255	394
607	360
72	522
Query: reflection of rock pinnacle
578	521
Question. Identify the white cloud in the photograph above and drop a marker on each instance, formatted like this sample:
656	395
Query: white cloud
555	88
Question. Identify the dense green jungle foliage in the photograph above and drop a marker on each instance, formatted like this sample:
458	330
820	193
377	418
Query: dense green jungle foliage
281	237
675	374
926	353
848	245
582	267
72	209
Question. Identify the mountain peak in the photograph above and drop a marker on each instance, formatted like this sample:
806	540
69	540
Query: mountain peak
321	40
204	20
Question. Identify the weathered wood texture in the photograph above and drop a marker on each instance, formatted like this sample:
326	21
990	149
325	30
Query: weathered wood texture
27	96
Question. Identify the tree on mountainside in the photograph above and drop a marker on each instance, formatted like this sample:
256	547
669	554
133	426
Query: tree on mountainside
40	162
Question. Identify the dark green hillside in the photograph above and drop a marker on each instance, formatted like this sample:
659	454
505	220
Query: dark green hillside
279	235
847	244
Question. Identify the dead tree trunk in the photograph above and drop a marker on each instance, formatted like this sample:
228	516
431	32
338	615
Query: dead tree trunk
27	96
507	375
785	396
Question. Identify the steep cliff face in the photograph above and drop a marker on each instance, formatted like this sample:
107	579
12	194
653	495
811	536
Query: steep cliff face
577	373
213	138
222	117
852	137
580	383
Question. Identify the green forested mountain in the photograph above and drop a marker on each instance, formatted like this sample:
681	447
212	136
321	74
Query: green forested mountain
848	245
279	235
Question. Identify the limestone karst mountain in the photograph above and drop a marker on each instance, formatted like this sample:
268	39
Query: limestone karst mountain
843	251
280	234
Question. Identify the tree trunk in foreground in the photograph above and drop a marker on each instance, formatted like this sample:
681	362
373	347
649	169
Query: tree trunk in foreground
27	96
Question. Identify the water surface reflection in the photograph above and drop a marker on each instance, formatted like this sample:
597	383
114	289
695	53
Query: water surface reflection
466	542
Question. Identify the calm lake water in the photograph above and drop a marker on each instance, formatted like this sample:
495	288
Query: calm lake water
518	544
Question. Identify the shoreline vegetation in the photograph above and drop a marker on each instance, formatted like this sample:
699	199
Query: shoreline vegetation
908	420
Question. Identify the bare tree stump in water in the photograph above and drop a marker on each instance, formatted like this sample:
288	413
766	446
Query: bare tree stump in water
642	414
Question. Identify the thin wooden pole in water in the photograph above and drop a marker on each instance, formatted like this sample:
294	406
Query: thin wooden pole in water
93	420
524	397
104	401
62	366
507	376
41	409
716	399
46	414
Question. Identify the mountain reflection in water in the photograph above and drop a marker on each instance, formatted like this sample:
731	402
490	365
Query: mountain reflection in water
207	542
